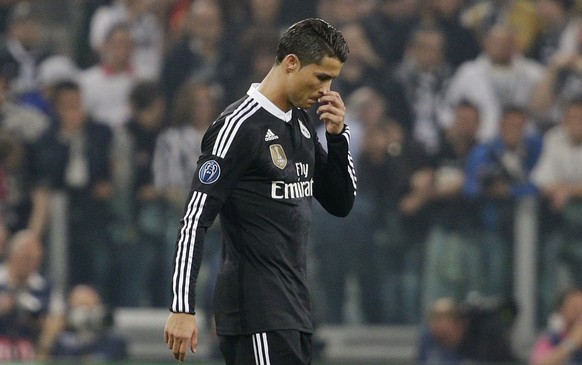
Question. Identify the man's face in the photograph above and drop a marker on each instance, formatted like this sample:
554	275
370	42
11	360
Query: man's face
308	83
69	108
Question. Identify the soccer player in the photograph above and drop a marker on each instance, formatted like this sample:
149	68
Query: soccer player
261	164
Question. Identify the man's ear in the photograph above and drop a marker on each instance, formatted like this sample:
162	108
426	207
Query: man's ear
292	63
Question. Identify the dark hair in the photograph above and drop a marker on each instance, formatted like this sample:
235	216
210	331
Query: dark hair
466	103
311	40
574	101
517	109
66	85
144	94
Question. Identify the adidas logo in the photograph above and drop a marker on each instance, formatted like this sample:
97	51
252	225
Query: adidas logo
270	136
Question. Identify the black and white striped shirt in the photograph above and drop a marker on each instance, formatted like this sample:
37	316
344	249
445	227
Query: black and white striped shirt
259	169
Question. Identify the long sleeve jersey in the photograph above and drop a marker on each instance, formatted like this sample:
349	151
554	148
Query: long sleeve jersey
259	169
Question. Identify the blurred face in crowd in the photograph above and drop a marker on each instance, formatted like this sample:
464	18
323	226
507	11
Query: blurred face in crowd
466	122
500	45
550	12
513	126
265	11
206	23
428	50
25	256
361	50
368	105
446	324
572	122
118	49
571	309
69	109
447	8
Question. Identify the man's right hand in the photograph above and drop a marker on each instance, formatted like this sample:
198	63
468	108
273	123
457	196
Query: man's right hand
180	331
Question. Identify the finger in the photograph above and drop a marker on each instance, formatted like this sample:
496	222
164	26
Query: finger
166	337
183	349
332	97
194	343
170	341
176	349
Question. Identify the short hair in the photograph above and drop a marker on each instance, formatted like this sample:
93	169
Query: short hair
144	94
311	40
64	86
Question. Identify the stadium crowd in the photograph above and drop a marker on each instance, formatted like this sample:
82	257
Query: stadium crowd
459	110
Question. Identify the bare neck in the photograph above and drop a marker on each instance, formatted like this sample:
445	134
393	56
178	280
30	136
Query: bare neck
273	88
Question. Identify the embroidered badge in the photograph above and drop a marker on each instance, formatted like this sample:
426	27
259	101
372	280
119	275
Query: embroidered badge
209	172
304	129
278	156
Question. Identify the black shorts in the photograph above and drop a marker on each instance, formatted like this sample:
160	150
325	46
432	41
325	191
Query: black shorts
286	347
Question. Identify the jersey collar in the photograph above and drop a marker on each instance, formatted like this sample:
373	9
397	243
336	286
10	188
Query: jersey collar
268	104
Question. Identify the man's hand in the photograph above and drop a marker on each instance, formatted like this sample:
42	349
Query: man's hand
180	331
332	112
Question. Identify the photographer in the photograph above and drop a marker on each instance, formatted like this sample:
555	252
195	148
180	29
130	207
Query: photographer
24	299
498	175
471	331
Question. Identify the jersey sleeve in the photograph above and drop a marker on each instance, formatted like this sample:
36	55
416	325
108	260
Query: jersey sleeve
226	154
335	175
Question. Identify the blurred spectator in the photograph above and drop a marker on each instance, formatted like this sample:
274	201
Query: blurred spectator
518	14
139	218
51	71
389	26
500	76
146	31
424	75
365	65
561	82
390	167
497	176
333	238
254	55
177	149
460	44
559	177
22	199
202	51
74	156
562	341
23	48
24	299
453	256
460	333
366	68
559	32
89	333
106	86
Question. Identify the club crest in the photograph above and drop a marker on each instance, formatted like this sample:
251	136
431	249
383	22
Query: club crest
278	156
304	129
